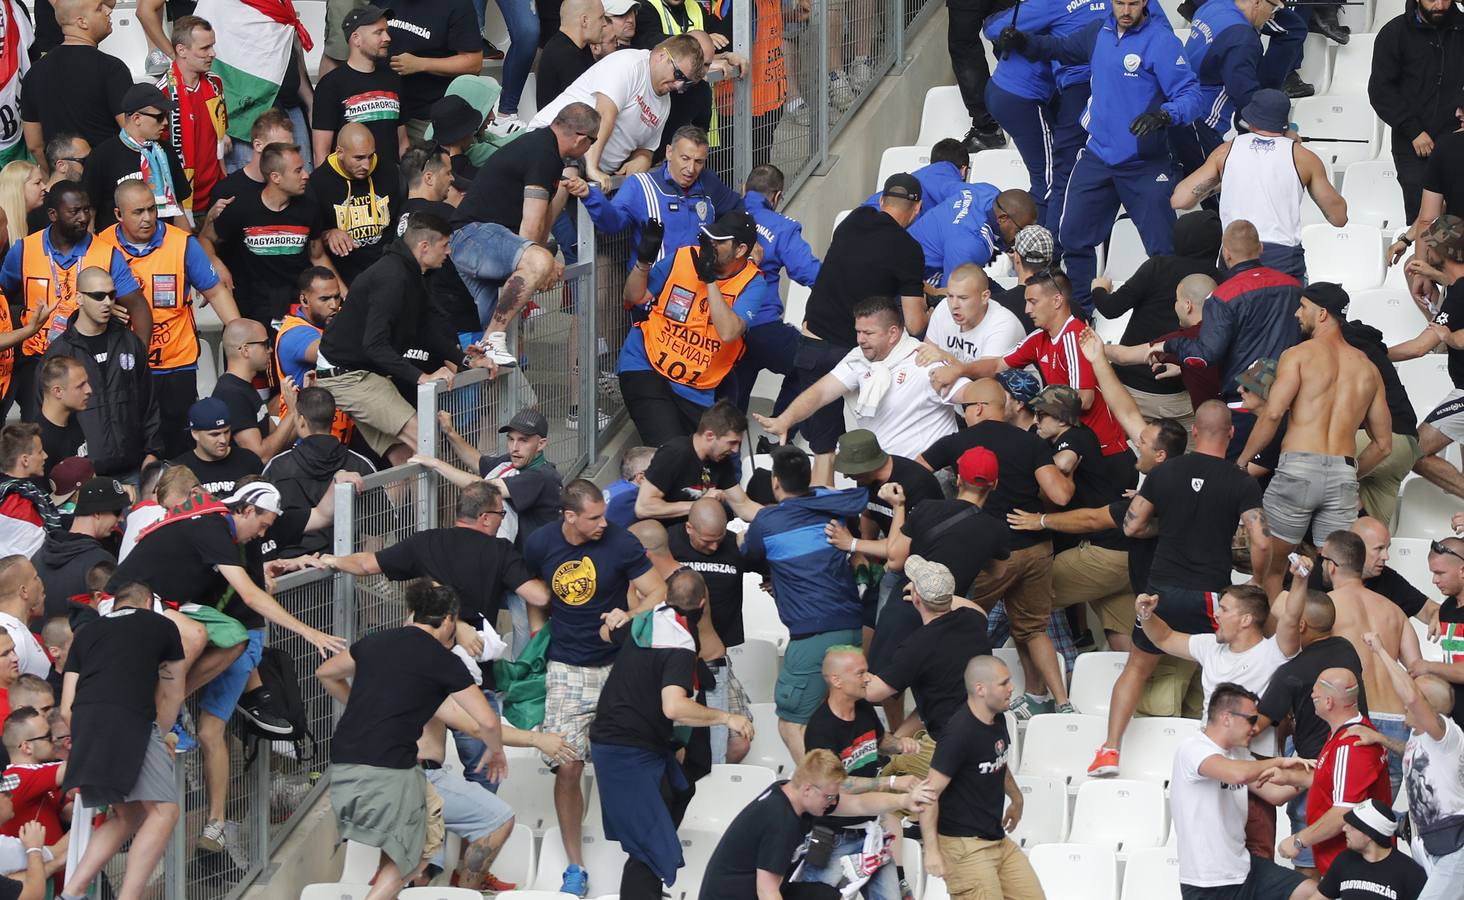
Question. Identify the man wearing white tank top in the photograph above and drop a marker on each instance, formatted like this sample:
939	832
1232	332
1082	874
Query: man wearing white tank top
1260	177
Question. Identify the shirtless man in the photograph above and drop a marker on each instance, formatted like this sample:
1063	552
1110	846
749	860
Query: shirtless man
1360	611
1329	388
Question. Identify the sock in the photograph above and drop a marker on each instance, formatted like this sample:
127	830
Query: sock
1040	698
900	872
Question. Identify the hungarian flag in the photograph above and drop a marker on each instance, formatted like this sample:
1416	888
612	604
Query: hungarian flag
15	41
254	38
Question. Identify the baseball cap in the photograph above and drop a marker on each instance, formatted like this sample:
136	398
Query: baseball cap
260	494
1375	820
859	452
1020	383
140	96
1258	378
363	15
1329	296
208	414
101	495
527	421
1446	235
70	474
1034	245
620	7
733	226
977	466
903	186
1058	400
932	581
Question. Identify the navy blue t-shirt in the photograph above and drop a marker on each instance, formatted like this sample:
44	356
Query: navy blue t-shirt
585	582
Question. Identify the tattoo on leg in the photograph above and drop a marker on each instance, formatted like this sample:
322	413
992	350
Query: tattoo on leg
511	299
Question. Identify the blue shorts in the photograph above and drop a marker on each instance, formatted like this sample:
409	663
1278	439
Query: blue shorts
218	697
485	254
470	811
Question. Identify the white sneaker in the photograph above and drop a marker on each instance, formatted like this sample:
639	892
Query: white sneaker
572	420
495	347
212	838
800	116
505	124
860	74
841	93
157	63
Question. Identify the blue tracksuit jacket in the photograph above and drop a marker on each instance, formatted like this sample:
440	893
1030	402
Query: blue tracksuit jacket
812	582
653	195
1224	51
783	246
938	183
960	231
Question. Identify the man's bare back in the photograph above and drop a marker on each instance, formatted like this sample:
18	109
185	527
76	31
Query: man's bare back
1338	386
1359	611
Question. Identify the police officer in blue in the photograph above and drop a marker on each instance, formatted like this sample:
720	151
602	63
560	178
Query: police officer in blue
979	224
1142	85
1224	51
942	177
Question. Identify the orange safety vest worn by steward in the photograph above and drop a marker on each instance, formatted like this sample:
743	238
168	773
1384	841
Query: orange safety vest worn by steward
162	274
767	68
681	342
7	356
45	281
342	427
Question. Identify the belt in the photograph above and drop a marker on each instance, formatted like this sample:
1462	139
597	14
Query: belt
719	663
333	371
1351	461
430	765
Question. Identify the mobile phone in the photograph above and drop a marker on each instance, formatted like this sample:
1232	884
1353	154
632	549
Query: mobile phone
1302	564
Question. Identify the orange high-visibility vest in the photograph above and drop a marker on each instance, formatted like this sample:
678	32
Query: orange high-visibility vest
342	427
45	281
163	276
681	342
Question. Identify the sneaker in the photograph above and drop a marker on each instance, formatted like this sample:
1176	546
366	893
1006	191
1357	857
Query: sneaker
978	139
571	420
860	74
801	116
1105	764
185	741
258	707
841	93
905	892
495	347
157	63
505	124
1026	708
212	838
1295	88
1066	708
491	885
576	881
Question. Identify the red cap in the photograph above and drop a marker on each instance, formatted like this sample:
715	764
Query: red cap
977	466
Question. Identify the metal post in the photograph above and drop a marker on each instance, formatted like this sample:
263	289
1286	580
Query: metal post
589	336
427	446
741	133
823	109
259	812
896	27
175	860
343	585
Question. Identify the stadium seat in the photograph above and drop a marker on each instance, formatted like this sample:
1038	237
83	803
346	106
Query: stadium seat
1427	381
603	860
443	892
1073	871
914	866
1351	255
361	862
529	789
756	664
1009	656
901	159
1373	196
1340	128
1424	511
723	793
1044	811
208	368
1316	63
312	16
796	303
1094	675
760	614
1062	745
517	859
1351	65
529	895
128	43
840	217
1359	18
1149	744
1152	874
1409	558
768	749
529	100
1390	311
1430	650
943	116
1001	168
1014	756
1121	813
1111	330
696	850
335	891
1125	250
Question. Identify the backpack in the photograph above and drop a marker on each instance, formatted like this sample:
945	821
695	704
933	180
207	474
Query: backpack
277	671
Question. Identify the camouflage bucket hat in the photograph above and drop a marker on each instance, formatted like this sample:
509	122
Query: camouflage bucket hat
1259	377
1446	236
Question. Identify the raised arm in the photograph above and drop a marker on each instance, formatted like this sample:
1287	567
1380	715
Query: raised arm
1172	642
1120	401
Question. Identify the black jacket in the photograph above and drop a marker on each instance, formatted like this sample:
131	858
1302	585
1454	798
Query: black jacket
62	562
120	421
304	473
1370	341
389	323
1149	292
1416	73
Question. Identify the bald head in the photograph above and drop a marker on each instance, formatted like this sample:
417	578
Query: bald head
355	150
16	571
1195	288
652	536
1212	421
838	661
1438	693
355	136
707	516
1240	242
133	191
241	335
990	393
1339	687
705	41
983	670
94	278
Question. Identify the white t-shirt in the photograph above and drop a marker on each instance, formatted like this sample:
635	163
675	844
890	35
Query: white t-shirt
28	650
1251	670
911	416
1434	773
1209	817
625	77
138	518
997	333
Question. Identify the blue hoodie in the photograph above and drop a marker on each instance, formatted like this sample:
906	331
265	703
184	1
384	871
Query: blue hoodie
783	246
1139	71
1224	50
939	182
958	232
653	195
813	583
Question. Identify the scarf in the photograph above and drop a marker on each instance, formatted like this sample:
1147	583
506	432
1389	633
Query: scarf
872	389
156	172
283	11
188	108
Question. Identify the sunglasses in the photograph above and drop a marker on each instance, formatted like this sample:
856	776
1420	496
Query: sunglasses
595	137
1440	548
100	296
156	117
1251	720
975	403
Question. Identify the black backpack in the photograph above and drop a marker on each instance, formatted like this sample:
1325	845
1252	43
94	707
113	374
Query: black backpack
277	671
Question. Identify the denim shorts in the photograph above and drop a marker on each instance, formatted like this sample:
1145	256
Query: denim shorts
469	810
218	697
485	254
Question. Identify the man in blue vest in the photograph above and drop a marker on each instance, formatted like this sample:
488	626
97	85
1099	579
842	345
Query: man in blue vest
1224	51
942	177
975	226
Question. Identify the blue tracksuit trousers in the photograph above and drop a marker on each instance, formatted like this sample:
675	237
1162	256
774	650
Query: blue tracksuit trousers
1094	193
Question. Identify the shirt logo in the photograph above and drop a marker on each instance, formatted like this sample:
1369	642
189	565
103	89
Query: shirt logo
1131	62
372	106
1197	483
276	240
574	581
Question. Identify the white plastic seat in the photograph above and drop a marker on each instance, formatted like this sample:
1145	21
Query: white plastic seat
603	860
129	43
529	101
755	663
1125	250
312	16
1149	744
1014	753
901	159
723	793
796	303
517	860
1351	255
1121	813
529	789
333	891
768	749
1111	330
1409	558
1359	18
760	613
1044	811
840	216
208	368
1316	63
1333	123
944	115
1151	874
1062	745
1001	168
1373	194
1388	310
1426	380
1013	662
914	866
935	889
1429	650
443	892
696	851
361	862
1094	675
527	895
1351	65
1074	871
1424	511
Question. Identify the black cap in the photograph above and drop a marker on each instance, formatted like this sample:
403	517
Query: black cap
903	186
1329	296
527	421
140	96
101	495
363	15
733	226
453	119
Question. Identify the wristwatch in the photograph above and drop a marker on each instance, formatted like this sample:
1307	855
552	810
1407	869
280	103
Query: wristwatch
1298	842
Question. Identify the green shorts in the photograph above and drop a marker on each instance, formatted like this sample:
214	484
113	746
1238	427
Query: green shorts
223	631
800	688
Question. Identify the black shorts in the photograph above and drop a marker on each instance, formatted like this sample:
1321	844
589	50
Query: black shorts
1266	880
1186	610
816	359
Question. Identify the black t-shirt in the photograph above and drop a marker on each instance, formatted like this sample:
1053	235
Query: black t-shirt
1140	550
1451	313
1198	500
402	676
219	476
75	89
722	571
1019	454
974	756
246	408
433	29
48	30
180	561
234	184
533	492
116	659
1290	691
365	209
497	194
870	255
1352	877
855	743
765	835
629	712
112	162
931	662
60	441
266	251
480	567
918	483
450	298
1093	486
1444	173
682	475
560	63
966	547
374	99
10	888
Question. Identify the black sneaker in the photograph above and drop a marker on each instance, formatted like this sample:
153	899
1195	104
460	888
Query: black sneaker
978	139
258	707
1326	22
1295	88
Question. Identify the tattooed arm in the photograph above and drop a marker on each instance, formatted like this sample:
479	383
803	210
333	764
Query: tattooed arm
1139	521
1202	182
1259	535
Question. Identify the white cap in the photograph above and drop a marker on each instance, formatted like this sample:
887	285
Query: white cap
620	7
260	494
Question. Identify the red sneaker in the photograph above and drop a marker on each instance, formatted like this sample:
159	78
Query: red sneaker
1105	764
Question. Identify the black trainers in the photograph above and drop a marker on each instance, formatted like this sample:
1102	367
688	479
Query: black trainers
1326	22
1295	88
978	139
258	707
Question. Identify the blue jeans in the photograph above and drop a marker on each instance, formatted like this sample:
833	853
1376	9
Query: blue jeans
1391	725
717	699
523	36
1444	877
519	611
1296	812
239	153
485	254
470	750
882	885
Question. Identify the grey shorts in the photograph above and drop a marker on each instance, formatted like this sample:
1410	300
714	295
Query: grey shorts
1448	416
156	779
1311	492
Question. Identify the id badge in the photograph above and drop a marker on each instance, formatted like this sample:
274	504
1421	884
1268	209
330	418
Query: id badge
165	291
678	305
